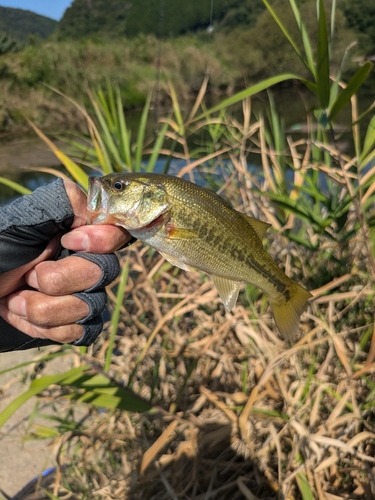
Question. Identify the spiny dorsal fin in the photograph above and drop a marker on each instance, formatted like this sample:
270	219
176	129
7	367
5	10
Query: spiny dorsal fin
228	290
259	226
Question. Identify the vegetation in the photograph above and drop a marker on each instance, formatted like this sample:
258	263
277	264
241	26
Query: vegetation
166	18
20	24
235	412
360	17
232	59
242	50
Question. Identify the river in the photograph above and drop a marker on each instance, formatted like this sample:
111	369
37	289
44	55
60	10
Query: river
19	158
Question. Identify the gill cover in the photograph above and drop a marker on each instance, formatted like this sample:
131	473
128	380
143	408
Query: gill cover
135	204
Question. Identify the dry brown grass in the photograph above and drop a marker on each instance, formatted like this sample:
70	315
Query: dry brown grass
240	413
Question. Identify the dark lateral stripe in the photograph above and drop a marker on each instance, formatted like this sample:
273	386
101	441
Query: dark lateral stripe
279	285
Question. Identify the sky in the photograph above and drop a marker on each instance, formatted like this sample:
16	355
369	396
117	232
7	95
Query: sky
49	8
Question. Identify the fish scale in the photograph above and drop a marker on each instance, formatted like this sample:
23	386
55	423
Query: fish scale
192	226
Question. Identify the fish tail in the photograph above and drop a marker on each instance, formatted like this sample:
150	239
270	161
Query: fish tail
287	309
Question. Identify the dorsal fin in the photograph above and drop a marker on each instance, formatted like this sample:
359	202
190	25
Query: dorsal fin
259	226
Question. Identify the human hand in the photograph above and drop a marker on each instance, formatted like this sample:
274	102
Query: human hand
36	297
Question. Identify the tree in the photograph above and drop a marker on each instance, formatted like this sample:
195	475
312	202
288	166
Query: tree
360	16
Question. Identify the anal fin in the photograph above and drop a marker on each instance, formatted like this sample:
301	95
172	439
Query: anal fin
228	290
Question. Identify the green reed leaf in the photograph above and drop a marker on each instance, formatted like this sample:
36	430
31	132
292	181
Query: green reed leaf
15	186
255	89
285	32
141	135
123	133
353	86
157	147
116	314
322	63
36	387
78	174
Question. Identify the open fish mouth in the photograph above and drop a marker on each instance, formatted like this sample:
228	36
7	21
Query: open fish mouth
97	203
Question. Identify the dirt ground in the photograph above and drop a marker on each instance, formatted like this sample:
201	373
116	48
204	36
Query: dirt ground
21	460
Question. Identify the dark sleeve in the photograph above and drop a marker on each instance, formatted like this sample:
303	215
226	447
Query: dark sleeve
12	339
30	222
26	227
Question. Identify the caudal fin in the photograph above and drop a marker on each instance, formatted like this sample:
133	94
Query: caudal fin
287	312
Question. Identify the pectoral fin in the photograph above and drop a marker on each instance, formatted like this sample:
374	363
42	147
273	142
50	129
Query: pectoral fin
175	262
179	233
259	226
228	290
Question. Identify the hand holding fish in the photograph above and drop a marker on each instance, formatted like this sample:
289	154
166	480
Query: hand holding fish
36	291
192	226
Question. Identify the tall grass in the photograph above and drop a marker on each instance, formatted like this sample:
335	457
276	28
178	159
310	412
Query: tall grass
229	410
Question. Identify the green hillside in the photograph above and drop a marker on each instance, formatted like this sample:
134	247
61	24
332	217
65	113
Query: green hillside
165	17
19	24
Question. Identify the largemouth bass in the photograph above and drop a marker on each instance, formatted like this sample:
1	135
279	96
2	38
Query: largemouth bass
193	226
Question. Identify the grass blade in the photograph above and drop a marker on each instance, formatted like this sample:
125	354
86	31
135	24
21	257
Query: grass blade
116	314
255	89
157	147
141	135
15	186
108	147
354	84
322	70
304	487
100	390
123	133
36	387
177	110
286	33
305	39
369	140
121	399
199	99
75	170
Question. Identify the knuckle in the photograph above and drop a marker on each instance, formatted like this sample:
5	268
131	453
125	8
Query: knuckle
39	312
50	278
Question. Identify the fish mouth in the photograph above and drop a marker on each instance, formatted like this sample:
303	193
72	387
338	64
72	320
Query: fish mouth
134	226
97	203
160	219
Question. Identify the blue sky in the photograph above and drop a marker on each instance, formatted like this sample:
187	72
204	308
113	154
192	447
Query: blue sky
49	8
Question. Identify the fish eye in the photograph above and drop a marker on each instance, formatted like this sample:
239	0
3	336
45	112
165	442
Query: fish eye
118	185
